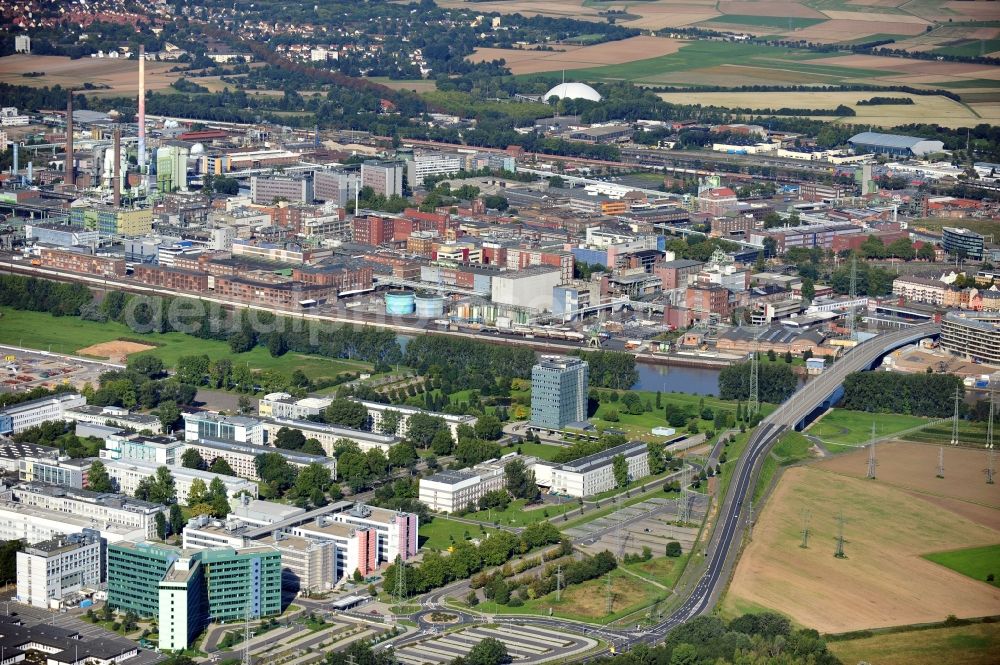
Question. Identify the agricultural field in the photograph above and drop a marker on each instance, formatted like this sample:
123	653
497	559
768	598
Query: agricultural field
883	581
525	61
976	644
854	428
116	77
979	563
936	109
70	335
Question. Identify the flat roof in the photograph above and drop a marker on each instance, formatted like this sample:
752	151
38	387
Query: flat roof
591	462
252	449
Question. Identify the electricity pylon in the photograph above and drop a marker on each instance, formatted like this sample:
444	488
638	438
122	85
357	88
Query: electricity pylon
872	462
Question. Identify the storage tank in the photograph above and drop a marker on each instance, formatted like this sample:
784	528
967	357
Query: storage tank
399	302
429	305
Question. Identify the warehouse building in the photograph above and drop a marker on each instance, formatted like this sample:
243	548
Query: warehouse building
894	144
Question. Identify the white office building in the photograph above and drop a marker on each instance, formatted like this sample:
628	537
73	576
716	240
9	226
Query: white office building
115	416
328	435
160	450
453	491
377	411
436	163
57	570
592	474
127	474
19	417
35	512
283	405
237	429
242	457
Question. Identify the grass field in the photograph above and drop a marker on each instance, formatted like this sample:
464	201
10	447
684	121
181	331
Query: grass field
854	428
969	433
540	450
785	23
516	515
883	581
977	644
935	224
442	532
975	562
588	601
43	331
664	570
792	447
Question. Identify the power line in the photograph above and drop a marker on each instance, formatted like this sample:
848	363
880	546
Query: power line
872	462
400	590
990	464
805	530
839	553
940	469
753	403
954	418
750	521
559	583
852	313
608	596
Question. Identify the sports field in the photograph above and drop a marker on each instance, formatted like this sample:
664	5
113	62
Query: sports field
883	581
977	644
120	76
979	563
936	109
70	335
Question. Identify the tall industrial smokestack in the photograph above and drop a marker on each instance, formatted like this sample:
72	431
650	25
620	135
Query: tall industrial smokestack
117	186
142	109
69	179
16	165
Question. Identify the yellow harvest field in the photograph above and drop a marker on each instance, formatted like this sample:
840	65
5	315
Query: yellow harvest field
934	109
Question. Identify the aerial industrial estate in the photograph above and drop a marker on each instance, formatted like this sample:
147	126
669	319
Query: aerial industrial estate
541	332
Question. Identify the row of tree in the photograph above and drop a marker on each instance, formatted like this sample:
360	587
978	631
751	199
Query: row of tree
931	395
467	559
776	382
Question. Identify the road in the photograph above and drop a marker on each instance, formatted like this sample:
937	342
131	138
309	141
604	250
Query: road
725	543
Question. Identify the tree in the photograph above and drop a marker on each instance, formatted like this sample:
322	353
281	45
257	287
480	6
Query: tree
276	344
673	549
313	447
347	413
808	289
390	421
402	455
192	369
314	477
176	519
218	498
289	439
161	525
149	366
98	479
169	414
421	428
619	466
220	466
442	443
490	651
162	489
192	459
198	492
275	473
520	482
489	427
926	252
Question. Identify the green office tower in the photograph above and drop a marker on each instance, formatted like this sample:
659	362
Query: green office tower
134	574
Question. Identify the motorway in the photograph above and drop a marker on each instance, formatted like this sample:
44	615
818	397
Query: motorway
726	541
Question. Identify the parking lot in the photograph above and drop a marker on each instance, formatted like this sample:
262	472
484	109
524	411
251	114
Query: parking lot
525	644
652	524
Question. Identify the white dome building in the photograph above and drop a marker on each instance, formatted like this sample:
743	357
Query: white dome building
573	91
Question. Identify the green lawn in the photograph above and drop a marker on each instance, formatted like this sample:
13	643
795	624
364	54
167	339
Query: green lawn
516	515
855	427
442	532
791	447
976	644
662	569
974	562
543	451
39	330
970	48
969	433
